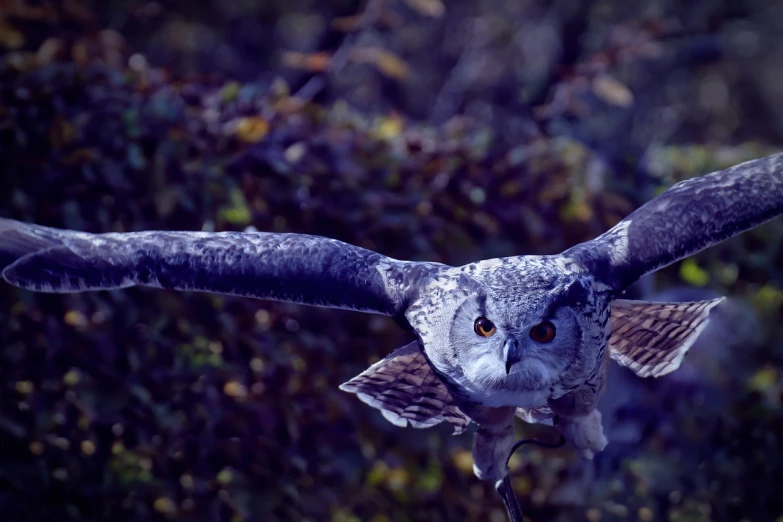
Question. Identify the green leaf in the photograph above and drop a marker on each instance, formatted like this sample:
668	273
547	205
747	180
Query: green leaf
693	274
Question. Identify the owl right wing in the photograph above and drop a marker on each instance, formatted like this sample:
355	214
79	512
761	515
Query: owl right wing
691	216
296	268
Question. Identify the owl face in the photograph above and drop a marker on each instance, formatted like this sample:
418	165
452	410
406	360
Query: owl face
507	337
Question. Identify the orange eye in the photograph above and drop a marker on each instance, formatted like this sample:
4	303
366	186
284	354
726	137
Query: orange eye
484	327
543	332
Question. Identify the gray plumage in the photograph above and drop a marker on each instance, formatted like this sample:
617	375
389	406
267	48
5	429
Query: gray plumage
529	336
284	267
690	216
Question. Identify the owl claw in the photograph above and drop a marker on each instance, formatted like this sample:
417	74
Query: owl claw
491	450
586	454
585	433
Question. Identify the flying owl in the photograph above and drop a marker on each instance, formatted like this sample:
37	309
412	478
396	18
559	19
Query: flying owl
527	336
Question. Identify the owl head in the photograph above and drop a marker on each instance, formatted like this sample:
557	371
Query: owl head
504	332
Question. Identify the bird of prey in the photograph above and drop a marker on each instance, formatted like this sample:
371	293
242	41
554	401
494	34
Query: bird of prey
526	336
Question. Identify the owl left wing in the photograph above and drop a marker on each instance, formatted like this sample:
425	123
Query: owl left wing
691	216
296	268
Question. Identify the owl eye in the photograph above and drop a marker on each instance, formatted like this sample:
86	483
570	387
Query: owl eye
543	332
484	327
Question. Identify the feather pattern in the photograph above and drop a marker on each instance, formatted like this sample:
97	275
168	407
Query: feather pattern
652	338
406	390
691	216
285	267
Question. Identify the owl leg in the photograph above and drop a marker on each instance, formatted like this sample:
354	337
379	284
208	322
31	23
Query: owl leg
493	440
584	432
578	419
493	443
491	450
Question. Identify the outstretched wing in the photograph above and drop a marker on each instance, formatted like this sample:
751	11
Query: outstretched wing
284	267
691	216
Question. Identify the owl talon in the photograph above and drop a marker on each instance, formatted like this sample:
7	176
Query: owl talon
491	451
585	433
586	454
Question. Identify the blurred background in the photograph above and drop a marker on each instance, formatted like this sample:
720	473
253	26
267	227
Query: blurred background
424	129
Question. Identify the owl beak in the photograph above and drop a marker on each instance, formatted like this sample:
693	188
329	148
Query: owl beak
512	354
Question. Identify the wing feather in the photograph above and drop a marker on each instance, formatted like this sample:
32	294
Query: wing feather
652	338
284	267
406	390
691	216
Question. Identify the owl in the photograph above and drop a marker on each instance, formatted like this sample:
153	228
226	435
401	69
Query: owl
527	336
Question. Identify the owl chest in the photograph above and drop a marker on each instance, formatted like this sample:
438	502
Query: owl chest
496	396
515	398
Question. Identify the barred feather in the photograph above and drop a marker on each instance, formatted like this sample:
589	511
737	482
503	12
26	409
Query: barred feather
652	338
406	390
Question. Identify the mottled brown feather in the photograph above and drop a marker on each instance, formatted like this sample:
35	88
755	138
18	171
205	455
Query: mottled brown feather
652	338
406	390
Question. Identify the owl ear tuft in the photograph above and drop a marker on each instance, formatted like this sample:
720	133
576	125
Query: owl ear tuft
406	390
652	338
